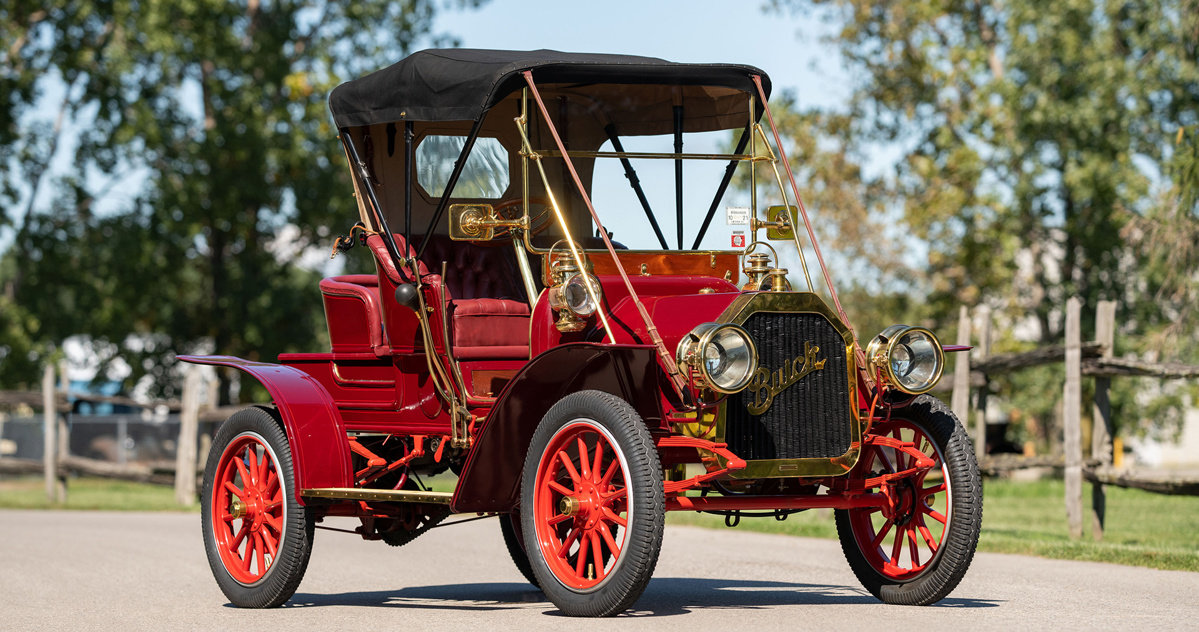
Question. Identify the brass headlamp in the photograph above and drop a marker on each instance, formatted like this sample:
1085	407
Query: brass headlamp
910	358
723	354
568	295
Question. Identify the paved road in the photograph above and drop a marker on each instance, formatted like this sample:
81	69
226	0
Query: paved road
86	570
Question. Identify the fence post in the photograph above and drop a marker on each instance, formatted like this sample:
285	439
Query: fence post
961	370
980	413
185	453
122	439
49	429
64	433
213	394
1101	432
1072	418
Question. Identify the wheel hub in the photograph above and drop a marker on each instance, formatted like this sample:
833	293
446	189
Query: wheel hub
237	509
588	505
904	502
569	506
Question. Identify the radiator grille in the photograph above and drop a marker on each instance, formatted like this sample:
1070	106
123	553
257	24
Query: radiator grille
809	419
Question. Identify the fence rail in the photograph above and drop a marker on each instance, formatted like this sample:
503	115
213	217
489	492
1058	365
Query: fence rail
55	402
1090	358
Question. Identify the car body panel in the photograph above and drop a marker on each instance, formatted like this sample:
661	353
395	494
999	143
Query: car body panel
491	476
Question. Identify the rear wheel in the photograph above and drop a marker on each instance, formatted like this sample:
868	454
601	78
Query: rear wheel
593	508
510	527
257	536
916	548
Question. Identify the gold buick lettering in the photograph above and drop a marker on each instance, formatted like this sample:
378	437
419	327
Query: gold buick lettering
765	383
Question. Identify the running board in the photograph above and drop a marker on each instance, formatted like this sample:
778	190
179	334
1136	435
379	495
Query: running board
385	495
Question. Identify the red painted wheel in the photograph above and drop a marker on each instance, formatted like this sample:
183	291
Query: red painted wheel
580	504
593	506
901	539
247	500
916	547
257	536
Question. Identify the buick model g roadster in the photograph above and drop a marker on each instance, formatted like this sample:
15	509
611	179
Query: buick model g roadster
578	389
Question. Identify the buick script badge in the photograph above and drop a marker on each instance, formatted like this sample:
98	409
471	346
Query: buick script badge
765	384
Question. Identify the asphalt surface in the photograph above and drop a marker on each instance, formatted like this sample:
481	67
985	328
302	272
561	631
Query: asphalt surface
141	571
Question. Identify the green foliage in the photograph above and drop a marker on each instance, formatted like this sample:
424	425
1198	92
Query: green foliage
218	109
1028	133
1166	237
1043	151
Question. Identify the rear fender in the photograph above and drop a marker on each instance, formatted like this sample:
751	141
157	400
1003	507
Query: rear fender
320	454
490	478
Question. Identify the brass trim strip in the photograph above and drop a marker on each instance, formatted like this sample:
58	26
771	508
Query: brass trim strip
337	377
574	153
385	495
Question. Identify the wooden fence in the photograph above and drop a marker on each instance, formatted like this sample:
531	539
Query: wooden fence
1093	359
198	404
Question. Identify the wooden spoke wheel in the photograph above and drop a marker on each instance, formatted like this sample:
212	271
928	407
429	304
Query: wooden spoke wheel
593	506
916	547
257	536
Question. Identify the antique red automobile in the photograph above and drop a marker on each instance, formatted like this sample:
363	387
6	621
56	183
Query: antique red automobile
579	389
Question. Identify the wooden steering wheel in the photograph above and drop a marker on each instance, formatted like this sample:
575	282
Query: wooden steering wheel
537	224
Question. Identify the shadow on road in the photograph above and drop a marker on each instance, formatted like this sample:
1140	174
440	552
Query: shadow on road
667	596
674	596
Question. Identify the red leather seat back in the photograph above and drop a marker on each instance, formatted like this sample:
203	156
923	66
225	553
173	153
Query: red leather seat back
489	311
352	312
474	271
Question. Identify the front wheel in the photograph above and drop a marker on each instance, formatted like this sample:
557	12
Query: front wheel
916	548
257	536
592	505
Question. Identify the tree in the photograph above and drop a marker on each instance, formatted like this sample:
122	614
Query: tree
219	110
1166	237
1029	132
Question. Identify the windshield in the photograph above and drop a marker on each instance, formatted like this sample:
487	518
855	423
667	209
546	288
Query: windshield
623	213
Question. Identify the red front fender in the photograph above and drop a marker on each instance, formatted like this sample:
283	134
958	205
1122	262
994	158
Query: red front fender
320	454
491	476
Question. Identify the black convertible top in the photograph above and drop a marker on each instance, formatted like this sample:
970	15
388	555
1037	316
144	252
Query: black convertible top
461	84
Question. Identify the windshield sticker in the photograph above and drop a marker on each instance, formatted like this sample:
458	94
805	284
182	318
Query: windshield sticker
736	215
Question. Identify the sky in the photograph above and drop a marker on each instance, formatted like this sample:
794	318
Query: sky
791	49
788	48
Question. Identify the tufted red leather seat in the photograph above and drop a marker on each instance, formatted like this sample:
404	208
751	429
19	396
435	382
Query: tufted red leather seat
488	309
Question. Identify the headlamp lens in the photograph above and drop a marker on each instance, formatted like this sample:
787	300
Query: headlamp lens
729	358
916	361
576	296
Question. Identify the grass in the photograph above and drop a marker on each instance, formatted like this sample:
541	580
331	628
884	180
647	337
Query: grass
90	493
1142	528
1029	518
